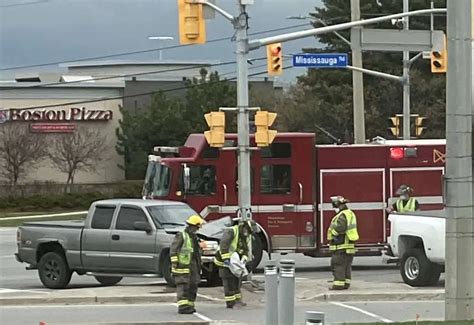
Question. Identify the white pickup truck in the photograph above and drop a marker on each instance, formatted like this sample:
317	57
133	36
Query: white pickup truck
418	239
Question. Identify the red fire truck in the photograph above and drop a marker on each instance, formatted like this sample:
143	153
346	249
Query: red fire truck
292	182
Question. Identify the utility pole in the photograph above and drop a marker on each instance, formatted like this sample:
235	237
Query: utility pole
459	300
357	77
406	78
241	25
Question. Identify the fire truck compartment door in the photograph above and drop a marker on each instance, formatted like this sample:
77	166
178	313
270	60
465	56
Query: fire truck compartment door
365	190
426	182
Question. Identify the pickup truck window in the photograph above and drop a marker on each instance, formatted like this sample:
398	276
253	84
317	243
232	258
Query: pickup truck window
170	215
102	217
128	216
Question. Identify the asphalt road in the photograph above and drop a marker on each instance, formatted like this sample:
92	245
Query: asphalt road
13	275
334	313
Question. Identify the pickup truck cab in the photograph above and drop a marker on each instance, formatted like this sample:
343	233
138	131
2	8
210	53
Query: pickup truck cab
418	240
118	238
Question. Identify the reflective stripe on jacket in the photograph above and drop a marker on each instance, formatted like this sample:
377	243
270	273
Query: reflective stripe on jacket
184	256
228	246
342	233
409	207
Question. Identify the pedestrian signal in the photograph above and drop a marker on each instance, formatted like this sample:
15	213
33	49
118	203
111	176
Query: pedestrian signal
264	136
419	127
192	26
395	126
216	135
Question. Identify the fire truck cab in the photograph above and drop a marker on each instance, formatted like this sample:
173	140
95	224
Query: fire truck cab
292	181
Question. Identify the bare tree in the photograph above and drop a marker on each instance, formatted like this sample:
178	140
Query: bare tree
78	151
20	151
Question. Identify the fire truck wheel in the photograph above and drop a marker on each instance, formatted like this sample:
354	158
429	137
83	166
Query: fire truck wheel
257	249
416	269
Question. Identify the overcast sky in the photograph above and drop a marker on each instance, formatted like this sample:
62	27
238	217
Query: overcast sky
43	31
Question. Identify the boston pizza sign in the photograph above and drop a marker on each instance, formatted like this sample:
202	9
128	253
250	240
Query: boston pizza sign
74	114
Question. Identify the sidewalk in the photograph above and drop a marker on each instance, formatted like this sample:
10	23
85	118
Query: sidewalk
306	290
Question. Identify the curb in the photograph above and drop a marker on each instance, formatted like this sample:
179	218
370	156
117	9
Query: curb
171	298
400	296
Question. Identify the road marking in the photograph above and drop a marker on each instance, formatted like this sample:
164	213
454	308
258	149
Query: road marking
5	290
209	298
8	256
365	312
198	315
201	316
45	215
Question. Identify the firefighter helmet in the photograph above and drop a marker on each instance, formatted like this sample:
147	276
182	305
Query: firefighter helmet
195	220
338	200
404	189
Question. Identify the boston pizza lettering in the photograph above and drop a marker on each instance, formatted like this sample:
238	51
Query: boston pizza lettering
72	114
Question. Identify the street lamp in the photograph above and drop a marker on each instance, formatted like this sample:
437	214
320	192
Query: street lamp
161	39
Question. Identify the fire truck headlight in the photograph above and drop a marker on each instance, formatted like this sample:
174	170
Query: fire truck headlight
309	227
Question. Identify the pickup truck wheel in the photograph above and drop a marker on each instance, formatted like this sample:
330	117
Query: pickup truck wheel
416	269
108	280
53	271
166	270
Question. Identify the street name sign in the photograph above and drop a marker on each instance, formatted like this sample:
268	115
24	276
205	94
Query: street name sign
321	60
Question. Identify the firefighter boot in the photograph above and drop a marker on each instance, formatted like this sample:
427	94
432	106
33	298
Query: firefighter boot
186	310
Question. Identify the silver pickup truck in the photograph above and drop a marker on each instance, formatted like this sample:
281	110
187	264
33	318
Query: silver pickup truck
119	238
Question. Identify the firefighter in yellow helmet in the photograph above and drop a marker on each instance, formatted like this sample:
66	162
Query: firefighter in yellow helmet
342	235
185	255
235	239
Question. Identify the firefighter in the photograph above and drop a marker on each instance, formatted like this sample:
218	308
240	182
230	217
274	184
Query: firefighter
186	264
236	239
405	203
342	235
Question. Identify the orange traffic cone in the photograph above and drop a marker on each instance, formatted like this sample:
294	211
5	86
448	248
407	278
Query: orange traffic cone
42	323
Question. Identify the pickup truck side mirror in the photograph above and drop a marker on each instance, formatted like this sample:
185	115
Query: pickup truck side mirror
142	225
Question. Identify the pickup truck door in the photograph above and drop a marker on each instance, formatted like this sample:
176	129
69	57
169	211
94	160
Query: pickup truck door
96	238
132	250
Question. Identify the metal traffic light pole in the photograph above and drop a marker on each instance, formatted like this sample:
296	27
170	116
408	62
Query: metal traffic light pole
459	301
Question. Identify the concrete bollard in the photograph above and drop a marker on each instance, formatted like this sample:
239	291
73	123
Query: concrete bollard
286	293
314	317
271	293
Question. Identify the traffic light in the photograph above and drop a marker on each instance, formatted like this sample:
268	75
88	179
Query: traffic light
192	26
395	128
439	60
264	136
274	59
419	127
216	135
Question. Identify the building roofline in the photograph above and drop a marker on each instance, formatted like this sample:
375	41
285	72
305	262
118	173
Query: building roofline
119	62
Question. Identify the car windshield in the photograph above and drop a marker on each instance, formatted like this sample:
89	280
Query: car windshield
170	215
157	180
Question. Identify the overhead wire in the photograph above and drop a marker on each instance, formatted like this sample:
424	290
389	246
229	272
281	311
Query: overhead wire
143	51
142	94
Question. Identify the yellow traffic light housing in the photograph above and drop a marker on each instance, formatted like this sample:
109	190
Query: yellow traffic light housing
192	26
419	127
274	59
439	60
216	135
264	136
395	128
